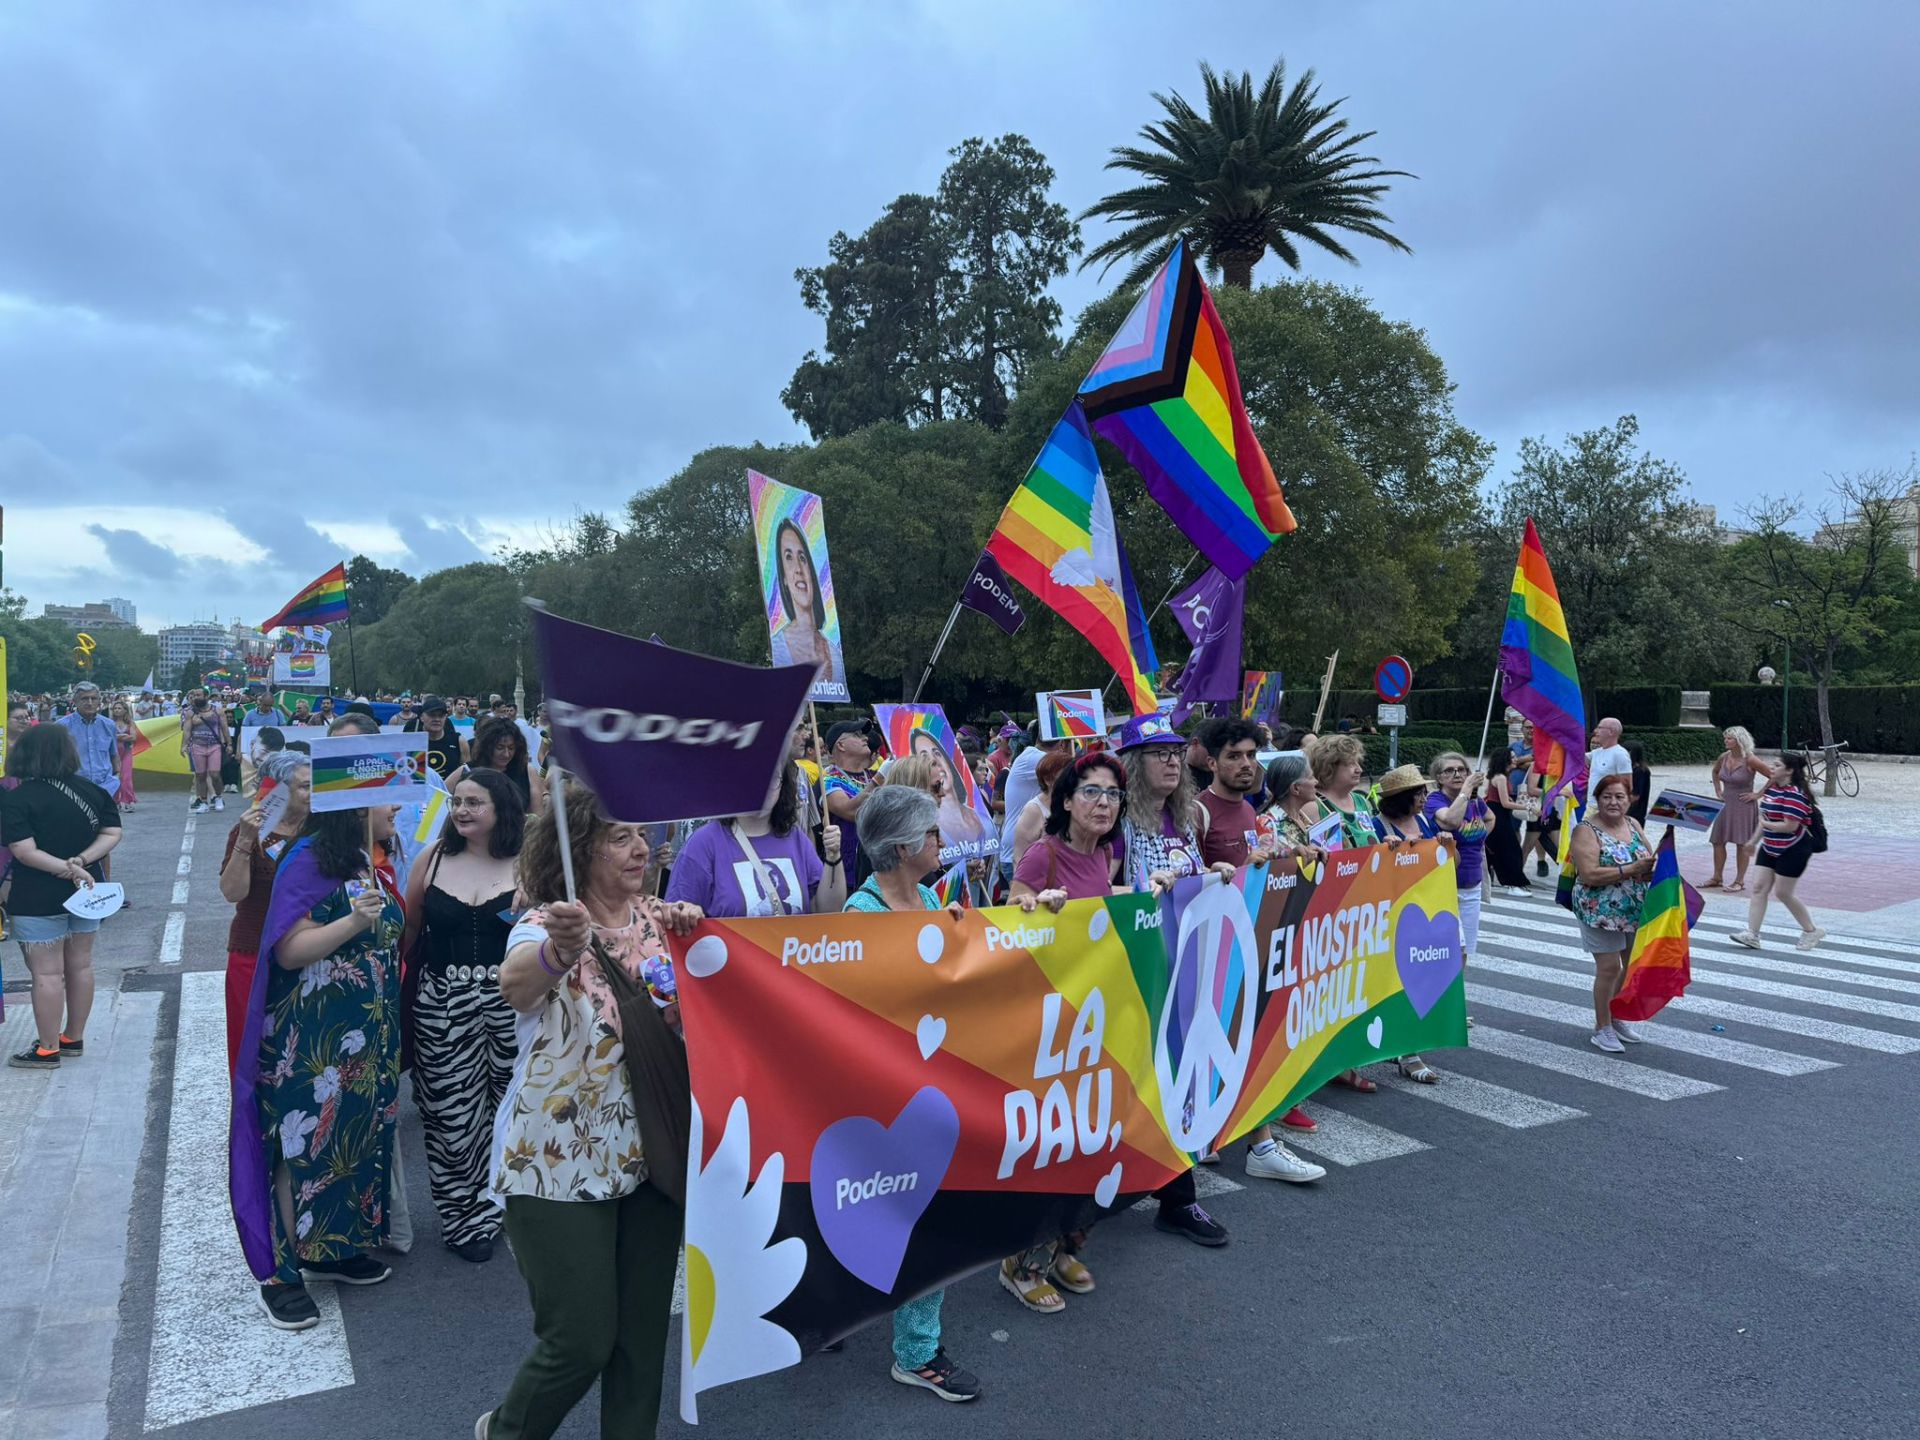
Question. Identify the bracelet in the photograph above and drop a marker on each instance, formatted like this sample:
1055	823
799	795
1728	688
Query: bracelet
541	955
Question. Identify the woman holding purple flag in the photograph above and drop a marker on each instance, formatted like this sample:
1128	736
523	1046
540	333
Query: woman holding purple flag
318	1085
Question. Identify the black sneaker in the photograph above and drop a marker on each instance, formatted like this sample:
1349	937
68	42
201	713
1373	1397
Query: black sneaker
289	1307
72	1047
34	1058
354	1270
1540	867
474	1252
1192	1222
942	1377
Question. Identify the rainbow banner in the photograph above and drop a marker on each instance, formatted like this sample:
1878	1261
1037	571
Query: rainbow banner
1538	676
885	1103
1660	966
1057	538
1260	696
357	772
1166	391
324	602
1072	714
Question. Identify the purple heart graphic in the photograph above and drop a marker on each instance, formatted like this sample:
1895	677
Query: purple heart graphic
872	1183
1427	954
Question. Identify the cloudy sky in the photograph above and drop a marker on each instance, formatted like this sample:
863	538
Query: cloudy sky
283	282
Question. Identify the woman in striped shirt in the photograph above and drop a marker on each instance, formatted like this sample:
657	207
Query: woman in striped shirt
1787	812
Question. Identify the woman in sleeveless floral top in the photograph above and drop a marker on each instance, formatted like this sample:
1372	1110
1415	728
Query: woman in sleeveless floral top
1612	859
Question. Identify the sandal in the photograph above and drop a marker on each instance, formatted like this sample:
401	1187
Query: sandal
1354	1080
1031	1290
1714	884
1069	1274
1737	885
1417	1070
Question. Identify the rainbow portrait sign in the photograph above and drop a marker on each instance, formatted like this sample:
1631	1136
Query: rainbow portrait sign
803	619
966	824
357	772
1071	714
1260	693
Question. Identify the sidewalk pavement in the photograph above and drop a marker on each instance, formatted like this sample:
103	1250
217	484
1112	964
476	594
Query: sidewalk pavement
67	1179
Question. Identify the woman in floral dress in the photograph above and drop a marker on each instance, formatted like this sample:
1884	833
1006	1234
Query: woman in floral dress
323	1028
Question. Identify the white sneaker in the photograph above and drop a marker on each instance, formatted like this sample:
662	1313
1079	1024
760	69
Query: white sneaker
1809	938
1606	1040
1626	1032
1281	1163
219	803
1518	892
1746	939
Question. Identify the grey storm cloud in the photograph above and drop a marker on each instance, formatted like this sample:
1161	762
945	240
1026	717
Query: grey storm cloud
131	553
303	266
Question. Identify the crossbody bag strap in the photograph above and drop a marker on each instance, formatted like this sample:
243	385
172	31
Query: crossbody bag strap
87	810
761	873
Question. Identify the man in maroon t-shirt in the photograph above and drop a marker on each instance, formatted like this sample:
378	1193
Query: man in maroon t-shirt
1229	831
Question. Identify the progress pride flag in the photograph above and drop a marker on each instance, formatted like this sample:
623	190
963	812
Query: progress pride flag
665	734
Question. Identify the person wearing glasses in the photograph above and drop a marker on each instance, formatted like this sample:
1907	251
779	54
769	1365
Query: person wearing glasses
1158	847
1457	809
1075	859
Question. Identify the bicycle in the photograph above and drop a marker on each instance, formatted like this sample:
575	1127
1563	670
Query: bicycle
1818	763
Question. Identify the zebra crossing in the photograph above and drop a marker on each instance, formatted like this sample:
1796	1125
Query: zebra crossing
1528	1064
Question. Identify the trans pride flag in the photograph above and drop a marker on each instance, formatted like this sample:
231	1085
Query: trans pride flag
1057	538
1659	967
1166	392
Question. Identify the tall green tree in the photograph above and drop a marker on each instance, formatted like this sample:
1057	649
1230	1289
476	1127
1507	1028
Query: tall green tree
39	650
1636	560
1833	594
1257	172
373	588
940	308
1007	242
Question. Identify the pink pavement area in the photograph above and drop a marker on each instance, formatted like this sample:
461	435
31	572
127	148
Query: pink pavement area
1868	882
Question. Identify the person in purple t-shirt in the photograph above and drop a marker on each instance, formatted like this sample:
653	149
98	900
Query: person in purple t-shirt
1457	808
715	871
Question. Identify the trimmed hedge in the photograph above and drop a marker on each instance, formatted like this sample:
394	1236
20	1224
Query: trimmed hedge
1413	751
1872	719
1676	746
1652	707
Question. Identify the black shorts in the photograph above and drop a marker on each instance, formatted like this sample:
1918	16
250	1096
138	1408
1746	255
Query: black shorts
1792	863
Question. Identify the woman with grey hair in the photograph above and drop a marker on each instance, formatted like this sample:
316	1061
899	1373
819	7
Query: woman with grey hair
900	835
254	848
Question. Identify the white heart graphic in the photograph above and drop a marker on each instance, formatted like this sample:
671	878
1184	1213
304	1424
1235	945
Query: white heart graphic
1108	1187
1374	1032
931	1032
1113	1136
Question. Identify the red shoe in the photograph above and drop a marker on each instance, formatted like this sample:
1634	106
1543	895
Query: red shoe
1298	1119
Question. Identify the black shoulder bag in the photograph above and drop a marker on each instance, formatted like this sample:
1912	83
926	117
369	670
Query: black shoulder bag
656	1060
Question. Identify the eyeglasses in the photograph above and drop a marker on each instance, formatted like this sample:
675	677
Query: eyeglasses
1165	753
462	803
1454	770
1098	793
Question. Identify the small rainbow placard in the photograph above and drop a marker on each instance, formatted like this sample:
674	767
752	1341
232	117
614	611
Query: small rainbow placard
357	772
1071	714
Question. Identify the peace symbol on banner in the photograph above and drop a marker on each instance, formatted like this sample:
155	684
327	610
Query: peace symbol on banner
1205	1037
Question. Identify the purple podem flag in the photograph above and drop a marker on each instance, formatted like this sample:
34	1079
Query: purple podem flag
665	734
991	593
1212	611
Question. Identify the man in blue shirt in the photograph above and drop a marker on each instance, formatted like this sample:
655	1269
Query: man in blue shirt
97	740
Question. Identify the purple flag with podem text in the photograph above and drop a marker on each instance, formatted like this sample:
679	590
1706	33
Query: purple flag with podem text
991	593
664	734
1211	611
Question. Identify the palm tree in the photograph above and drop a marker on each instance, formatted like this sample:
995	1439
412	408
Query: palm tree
1253	174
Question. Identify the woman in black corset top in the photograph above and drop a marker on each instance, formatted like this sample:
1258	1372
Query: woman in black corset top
460	904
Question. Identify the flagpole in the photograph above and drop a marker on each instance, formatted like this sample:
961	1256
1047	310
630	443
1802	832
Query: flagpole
353	645
938	646
1492	691
1326	688
1178	577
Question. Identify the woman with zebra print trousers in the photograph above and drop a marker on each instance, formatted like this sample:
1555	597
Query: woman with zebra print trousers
460	901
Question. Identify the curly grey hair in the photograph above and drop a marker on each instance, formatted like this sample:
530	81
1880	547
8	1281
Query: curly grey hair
894	821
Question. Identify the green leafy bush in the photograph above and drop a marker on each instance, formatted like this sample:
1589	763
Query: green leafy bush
1652	706
1872	719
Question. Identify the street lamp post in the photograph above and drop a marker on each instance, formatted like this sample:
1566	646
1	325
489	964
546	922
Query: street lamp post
1786	687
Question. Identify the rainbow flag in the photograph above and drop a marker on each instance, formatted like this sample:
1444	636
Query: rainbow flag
1165	390
1539	678
324	602
1057	538
1659	969
1260	696
952	888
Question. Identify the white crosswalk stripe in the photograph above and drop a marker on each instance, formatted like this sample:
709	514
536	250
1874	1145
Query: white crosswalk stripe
1667	1037
1502	1106
1589	1064
1347	1140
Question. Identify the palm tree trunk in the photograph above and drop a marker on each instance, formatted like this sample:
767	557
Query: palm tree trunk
1237	269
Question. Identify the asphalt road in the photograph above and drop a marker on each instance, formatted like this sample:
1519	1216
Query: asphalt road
1558	1258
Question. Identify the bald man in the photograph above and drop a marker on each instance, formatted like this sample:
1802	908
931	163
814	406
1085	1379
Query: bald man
1609	756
